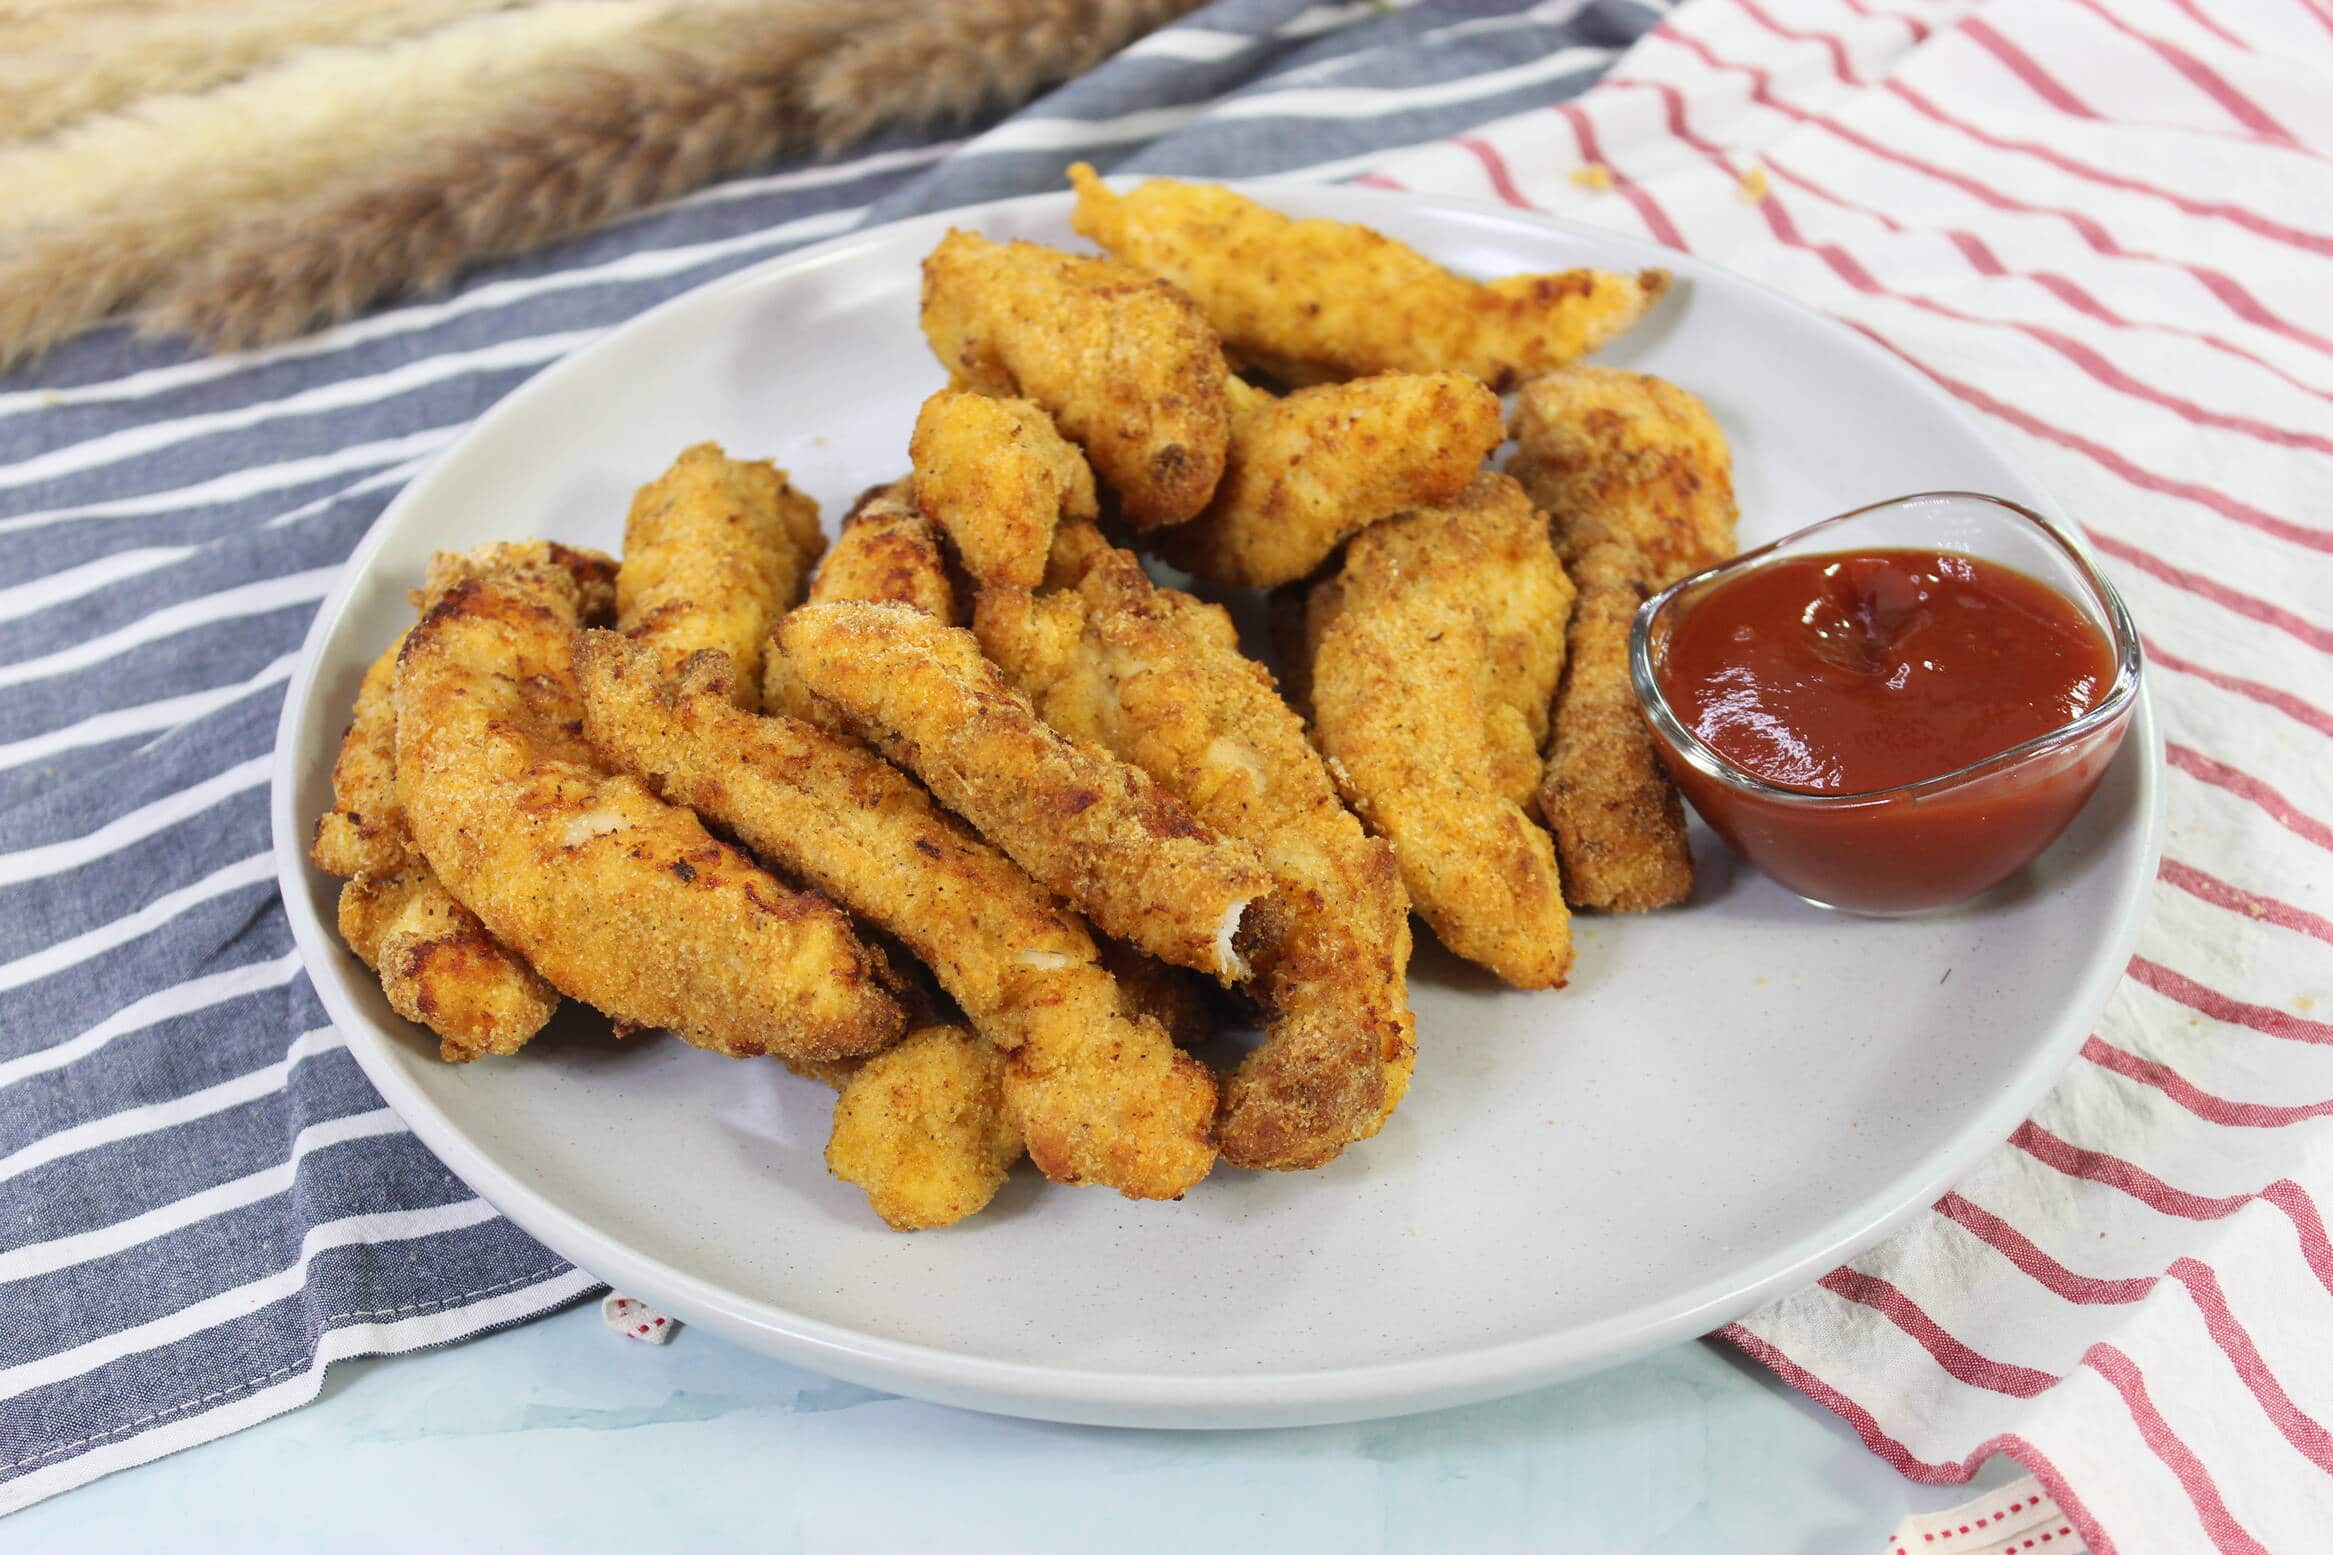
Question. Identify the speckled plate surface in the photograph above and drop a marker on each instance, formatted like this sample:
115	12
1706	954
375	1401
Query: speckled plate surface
1728	1099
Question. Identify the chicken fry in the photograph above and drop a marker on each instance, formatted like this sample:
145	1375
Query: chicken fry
1100	833
1627	457
1406	657
1637	479
1156	677
1618	822
923	1127
615	897
887	552
1306	472
715	550
1314	300
1124	364
997	477
1100	1092
437	964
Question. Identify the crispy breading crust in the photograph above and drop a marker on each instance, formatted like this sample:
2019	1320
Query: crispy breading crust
1124	363
1618	822
1100	833
1315	299
437	963
617	898
1403	659
1637	478
1156	677
1525	612
715	550
1629	458
924	1129
888	551
1308	471
1102	1095
996	476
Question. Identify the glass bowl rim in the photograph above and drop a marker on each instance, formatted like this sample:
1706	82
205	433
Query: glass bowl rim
2129	659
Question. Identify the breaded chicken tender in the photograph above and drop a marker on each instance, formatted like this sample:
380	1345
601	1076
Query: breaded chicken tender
1636	476
1406	651
615	897
1125	365
715	550
996	476
1313	300
1157	678
1103	1096
888	552
1098	832
1307	472
437	964
1628	458
924	1129
1618	822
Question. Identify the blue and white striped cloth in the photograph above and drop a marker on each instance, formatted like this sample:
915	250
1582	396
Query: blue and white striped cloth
202	1201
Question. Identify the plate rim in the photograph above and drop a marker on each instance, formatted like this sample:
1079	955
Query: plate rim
1087	1395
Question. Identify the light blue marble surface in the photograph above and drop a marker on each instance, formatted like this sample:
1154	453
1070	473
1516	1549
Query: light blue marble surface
561	1436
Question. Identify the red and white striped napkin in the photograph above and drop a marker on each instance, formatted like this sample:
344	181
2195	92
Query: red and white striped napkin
2106	226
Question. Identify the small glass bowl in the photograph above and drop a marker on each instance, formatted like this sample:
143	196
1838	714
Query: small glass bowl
1926	845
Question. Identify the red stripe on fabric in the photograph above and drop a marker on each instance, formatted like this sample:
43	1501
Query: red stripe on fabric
2046	1271
2200	75
1838	50
2202	19
2112	1171
2296	1424
2246	605
1898	1457
2251	221
2231	293
2090	362
2099	370
2210	1108
1495	166
2122	1374
2021	65
2245	786
1648	210
2267	909
1375	180
1963	1363
2266	1019
1912	24
2308	1225
2266	695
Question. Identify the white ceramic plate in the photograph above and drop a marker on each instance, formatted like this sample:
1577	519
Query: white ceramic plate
1727	1101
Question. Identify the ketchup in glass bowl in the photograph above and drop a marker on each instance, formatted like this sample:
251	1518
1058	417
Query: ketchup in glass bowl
1895	709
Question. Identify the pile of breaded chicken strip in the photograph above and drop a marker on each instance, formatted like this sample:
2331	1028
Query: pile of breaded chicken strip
966	816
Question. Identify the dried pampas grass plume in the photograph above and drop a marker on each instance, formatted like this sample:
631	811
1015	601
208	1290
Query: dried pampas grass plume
99	213
591	145
61	64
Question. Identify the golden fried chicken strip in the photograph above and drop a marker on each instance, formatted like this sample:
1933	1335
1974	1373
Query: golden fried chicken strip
1100	1092
1404	656
617	898
1627	458
1637	478
715	550
888	551
1091	828
1182	1002
1308	471
1157	678
437	964
997	477
1316	299
1125	364
924	1129
1618	822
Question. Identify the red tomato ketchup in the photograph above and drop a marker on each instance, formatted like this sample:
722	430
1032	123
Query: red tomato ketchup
1844	685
